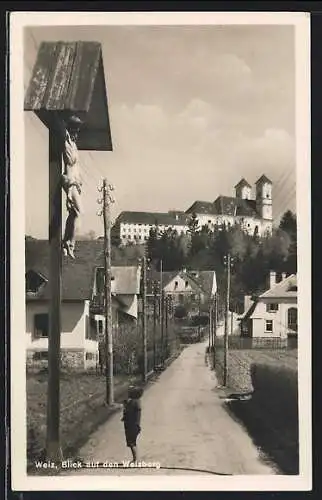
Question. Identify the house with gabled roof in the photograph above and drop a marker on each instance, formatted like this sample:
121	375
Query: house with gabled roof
82	302
273	313
184	286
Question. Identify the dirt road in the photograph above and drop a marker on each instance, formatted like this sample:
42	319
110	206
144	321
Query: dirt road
184	424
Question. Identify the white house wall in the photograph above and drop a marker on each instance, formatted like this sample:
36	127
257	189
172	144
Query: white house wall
181	286
130	305
89	344
73	325
280	327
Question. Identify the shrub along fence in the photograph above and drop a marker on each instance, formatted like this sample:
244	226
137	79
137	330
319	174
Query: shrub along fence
273	413
238	342
163	341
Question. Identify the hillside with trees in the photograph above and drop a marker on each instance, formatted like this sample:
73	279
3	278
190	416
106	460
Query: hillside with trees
253	256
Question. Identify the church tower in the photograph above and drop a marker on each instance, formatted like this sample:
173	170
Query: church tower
264	206
243	190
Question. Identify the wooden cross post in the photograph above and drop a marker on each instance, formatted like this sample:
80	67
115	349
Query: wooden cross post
68	79
53	448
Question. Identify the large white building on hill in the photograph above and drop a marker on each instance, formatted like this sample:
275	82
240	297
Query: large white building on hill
254	215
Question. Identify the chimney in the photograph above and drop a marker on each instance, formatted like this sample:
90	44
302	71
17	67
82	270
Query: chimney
247	302
272	279
283	276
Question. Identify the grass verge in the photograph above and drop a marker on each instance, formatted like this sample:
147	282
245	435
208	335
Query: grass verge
271	415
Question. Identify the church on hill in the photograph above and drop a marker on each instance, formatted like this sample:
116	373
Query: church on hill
253	214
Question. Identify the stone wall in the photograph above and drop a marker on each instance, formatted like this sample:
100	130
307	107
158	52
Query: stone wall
73	359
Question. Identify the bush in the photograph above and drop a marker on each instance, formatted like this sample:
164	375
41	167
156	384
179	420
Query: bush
277	388
202	320
180	312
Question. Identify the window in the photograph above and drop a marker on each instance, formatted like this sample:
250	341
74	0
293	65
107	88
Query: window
41	323
175	284
90	356
187	284
292	319
100	326
269	326
40	355
34	281
271	307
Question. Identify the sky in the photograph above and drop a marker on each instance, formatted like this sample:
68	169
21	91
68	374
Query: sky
192	109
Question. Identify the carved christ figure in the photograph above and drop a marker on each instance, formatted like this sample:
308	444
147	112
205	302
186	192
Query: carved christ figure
71	181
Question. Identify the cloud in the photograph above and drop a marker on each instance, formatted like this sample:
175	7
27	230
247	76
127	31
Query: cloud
275	149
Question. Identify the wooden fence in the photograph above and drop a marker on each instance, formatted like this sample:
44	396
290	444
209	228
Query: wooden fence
237	342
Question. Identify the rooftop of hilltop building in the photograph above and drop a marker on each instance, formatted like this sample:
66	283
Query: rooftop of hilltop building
223	205
153	218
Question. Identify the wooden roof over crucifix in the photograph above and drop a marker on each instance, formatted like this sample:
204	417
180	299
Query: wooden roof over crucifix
68	77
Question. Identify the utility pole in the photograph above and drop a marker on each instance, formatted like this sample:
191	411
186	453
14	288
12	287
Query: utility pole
161	309
199	311
228	264
154	324
215	313
231	322
166	324
144	321
107	200
210	327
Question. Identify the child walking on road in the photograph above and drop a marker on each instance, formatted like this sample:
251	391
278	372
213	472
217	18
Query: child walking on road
132	419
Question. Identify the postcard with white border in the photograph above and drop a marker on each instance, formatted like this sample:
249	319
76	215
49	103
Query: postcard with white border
160	251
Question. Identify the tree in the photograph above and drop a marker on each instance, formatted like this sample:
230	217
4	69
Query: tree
288	224
193	224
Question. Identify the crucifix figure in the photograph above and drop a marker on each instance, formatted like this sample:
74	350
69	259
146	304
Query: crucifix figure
71	181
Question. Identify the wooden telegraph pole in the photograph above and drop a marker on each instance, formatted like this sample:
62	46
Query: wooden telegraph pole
214	325
161	310
199	312
154	323
166	325
228	263
107	200
210	328
144	323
